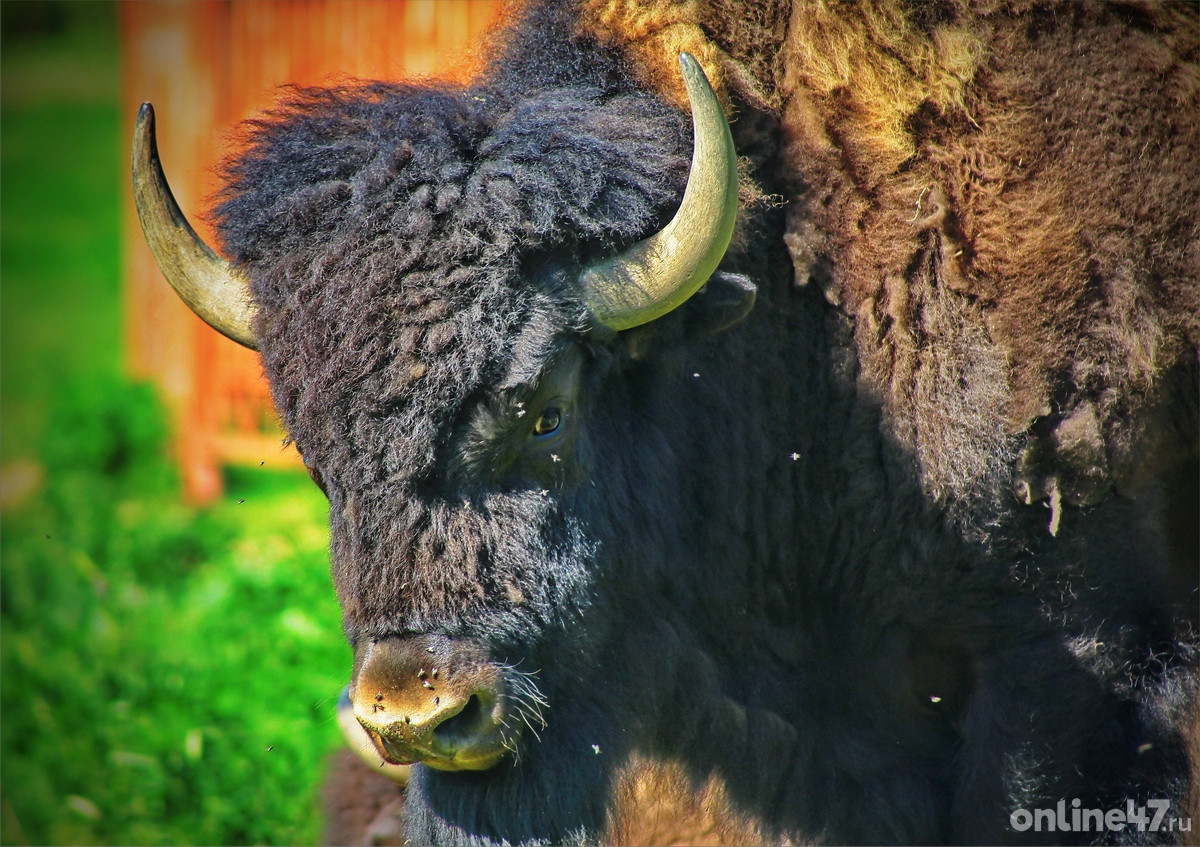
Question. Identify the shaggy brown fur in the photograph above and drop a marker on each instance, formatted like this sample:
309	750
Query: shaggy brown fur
659	804
943	163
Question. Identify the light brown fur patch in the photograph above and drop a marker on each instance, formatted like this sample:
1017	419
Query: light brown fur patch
655	32
858	72
657	804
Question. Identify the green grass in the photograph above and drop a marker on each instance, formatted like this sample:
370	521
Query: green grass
60	149
168	672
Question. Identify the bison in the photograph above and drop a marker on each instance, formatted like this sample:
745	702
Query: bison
824	468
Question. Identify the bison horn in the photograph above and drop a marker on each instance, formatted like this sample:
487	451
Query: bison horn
210	287
658	274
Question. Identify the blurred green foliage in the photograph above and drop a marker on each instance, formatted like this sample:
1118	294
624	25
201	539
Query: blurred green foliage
61	159
169	672
34	19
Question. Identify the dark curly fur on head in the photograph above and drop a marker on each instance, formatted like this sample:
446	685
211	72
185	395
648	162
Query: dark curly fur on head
344	193
388	232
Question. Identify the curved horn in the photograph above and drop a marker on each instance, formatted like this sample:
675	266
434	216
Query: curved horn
203	280
658	274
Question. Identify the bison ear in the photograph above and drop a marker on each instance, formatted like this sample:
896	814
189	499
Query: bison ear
724	301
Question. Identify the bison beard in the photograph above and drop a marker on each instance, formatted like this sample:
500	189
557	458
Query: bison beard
882	559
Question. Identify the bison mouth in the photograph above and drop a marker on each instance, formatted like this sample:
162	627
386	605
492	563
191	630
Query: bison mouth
472	738
441	702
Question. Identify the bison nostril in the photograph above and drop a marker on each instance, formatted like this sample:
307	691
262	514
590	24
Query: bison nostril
448	716
464	725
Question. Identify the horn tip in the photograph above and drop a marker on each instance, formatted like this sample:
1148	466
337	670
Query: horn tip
693	73
144	124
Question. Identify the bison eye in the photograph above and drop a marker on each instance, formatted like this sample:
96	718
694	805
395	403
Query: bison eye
548	421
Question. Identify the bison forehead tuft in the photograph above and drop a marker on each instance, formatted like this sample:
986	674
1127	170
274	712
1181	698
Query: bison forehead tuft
395	237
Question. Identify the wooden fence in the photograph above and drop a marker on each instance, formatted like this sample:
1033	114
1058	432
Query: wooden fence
206	66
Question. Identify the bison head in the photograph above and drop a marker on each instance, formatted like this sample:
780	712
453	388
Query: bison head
446	289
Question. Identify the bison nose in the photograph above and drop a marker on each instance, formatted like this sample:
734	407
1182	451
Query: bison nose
432	700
